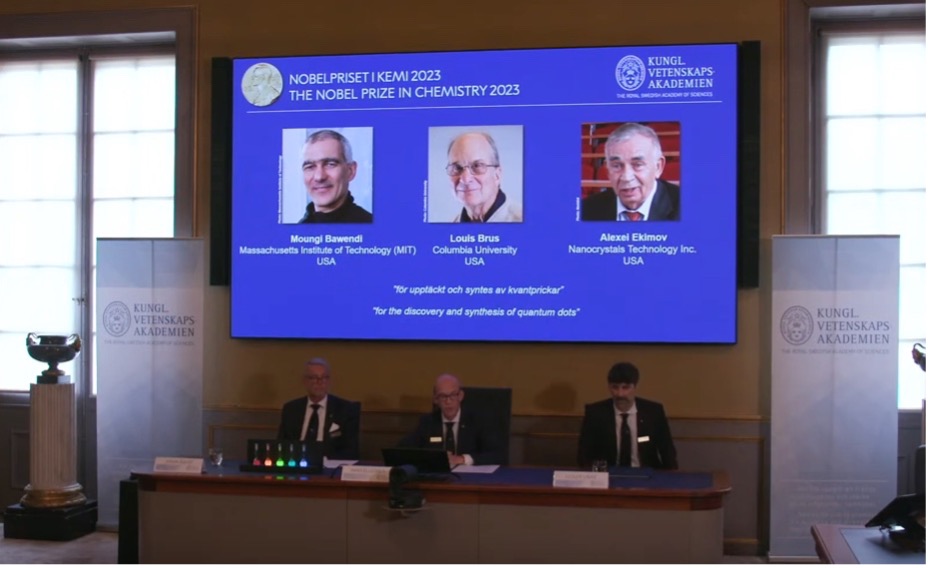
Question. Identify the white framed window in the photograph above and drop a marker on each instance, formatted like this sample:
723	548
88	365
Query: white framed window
873	162
87	145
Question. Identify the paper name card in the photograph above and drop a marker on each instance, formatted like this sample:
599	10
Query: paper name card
582	479
375	473
178	465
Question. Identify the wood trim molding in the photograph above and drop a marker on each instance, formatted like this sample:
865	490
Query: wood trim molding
405	412
322	487
213	428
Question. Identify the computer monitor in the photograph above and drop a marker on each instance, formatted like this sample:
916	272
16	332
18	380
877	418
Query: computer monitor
903	516
425	460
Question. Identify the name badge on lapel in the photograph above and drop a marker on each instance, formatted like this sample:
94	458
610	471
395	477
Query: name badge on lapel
435	440
642	439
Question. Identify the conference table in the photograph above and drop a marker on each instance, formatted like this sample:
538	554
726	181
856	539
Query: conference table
512	515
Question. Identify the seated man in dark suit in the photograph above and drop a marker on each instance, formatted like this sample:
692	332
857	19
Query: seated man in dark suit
635	162
321	416
626	430
463	432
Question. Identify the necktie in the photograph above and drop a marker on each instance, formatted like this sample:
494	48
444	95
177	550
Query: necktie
633	215
313	432
625	446
449	437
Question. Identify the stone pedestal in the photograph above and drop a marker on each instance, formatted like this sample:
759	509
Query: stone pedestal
53	448
54	506
59	523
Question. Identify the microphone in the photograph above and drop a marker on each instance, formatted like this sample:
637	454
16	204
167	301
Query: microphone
402	497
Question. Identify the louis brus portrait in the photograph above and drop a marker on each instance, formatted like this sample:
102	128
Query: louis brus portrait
630	171
326	175
475	174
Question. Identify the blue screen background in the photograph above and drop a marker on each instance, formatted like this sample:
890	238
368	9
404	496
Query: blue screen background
679	298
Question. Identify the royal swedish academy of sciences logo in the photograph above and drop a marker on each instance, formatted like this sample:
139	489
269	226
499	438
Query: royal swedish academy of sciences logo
630	72
116	319
796	325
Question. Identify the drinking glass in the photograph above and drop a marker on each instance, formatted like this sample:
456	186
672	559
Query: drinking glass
600	465
215	457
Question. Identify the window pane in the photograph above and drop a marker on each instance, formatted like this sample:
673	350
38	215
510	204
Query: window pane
903	213
38	209
18	368
39	166
43	231
134	164
133	107
852	214
902	153
886	213
874	165
912	305
38	299
872	153
903	87
911	377
133	181
134	94
43	95
125	218
34	300
848	60
852	147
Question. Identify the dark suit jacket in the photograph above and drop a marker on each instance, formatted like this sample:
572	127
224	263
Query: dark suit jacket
475	437
603	206
598	441
343	444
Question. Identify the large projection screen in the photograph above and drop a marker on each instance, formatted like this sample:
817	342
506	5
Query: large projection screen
556	195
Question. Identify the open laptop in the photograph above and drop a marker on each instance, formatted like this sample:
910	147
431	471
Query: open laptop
425	460
906	512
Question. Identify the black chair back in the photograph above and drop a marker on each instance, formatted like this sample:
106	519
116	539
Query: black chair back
495	403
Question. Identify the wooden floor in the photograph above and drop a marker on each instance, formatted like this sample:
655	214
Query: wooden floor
95	548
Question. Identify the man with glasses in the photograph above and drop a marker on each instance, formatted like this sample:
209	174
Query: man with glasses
328	168
476	174
463	432
635	162
322	417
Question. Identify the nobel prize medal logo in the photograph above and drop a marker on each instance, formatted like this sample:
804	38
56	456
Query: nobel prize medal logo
262	84
796	325
117	319
630	72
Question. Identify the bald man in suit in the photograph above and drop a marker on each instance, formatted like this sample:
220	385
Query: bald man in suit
464	433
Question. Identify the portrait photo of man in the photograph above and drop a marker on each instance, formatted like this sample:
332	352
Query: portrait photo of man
475	174
627	174
326	175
